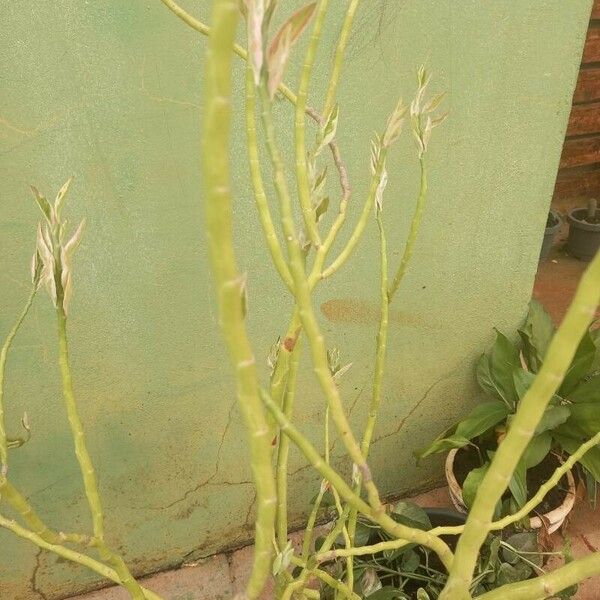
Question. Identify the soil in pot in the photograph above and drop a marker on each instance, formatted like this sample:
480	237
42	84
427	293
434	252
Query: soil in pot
468	459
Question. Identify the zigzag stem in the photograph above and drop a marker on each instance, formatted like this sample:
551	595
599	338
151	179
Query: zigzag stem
306	313
526	510
414	230
283	449
230	285
557	361
83	458
303	185
3	357
550	584
17	501
379	369
204	29
376	516
338	60
70	555
260	195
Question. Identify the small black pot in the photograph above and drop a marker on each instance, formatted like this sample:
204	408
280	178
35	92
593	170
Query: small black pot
552	226
584	237
446	517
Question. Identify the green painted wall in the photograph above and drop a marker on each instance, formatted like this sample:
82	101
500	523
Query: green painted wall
110	90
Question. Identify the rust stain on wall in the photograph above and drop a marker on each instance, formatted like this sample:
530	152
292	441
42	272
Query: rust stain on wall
362	312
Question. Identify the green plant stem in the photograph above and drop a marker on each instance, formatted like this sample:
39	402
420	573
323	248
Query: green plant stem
414	230
70	555
340	586
260	195
527	508
83	458
17	501
3	356
532	406
550	584
293	99
338	60
204	29
295	586
327	472
230	286
85	462
361	224
380	354
304	195
345	590
310	524
306	313
283	449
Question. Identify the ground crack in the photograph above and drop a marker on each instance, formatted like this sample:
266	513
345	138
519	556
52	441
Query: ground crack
33	579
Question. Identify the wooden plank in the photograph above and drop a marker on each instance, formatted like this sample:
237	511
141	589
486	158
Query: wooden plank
578	182
584	119
580	152
591	50
596	10
588	85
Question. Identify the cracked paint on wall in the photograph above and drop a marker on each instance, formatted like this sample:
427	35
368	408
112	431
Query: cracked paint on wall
111	92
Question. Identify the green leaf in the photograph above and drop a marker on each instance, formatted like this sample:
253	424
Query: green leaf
363	534
506	574
537	333
523	542
387	593
495	371
482	418
581	365
410	561
422	594
472	483
43	204
588	391
523	380
537	449
411	515
595	335
442	444
586	417
282	42
518	484
321	208
553	417
329	129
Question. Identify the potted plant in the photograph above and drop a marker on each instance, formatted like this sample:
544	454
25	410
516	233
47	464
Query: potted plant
573	416
584	232
553	223
412	572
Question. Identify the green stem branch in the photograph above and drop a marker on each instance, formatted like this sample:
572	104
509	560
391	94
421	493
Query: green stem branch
230	285
412	235
558	358
3	357
70	555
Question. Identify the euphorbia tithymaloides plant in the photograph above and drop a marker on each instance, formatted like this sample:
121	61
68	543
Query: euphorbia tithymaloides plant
302	261
300	279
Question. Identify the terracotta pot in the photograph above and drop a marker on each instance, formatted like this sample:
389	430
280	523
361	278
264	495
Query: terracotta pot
553	518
